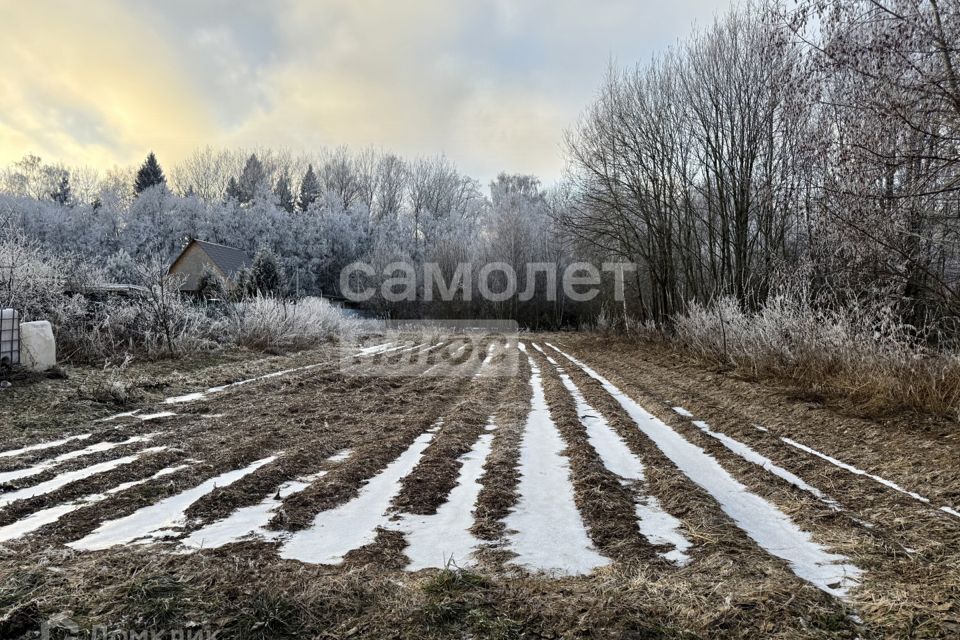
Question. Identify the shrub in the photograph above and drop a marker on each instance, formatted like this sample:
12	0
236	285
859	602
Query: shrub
272	323
859	351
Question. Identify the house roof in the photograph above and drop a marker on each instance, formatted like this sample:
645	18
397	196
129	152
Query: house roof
228	259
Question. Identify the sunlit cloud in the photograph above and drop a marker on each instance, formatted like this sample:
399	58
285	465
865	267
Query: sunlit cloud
492	83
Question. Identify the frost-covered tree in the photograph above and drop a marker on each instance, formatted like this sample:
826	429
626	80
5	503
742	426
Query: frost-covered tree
265	276
252	181
61	193
309	189
284	194
210	285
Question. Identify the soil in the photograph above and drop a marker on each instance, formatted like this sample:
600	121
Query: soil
908	550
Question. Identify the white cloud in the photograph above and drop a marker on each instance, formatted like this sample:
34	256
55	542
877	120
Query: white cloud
492	83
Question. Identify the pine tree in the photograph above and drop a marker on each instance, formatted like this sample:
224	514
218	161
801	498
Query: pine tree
210	286
149	175
61	194
283	193
233	191
309	189
252	179
266	275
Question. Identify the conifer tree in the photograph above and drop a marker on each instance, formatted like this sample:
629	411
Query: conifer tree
252	179
149	175
284	194
61	194
309	189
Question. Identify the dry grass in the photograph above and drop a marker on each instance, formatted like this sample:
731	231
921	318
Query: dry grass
731	590
272	323
864	356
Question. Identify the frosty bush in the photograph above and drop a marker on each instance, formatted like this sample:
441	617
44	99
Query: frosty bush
857	350
91	327
273	323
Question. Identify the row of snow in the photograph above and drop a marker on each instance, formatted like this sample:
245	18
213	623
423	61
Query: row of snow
545	530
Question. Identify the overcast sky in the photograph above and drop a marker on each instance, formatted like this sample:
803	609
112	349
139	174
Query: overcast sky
490	83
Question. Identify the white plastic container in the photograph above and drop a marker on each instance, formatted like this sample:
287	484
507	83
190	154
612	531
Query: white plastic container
38	347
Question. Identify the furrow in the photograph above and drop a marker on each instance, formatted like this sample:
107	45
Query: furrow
161	519
545	529
762	521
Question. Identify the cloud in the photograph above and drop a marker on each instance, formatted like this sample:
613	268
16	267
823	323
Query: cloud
491	83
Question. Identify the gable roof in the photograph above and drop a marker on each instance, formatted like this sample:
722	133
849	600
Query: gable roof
229	260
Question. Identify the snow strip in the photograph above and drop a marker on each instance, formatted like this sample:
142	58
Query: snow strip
491	352
46	465
655	524
158	520
71	476
854	470
248	521
860	472
52	514
434	540
12	453
337	531
751	455
252	521
379	348
769	527
157	416
340	456
200	395
448	362
547	532
683	412
125	414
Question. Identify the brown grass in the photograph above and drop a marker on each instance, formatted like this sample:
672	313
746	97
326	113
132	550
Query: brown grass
862	357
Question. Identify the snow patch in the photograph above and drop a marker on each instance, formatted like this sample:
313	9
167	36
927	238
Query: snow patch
201	395
190	397
769	527
71	476
158	520
751	455
434	540
46	465
860	472
125	414
682	412
50	515
340	456
379	348
157	416
337	531
13	453
655	524
248	521
547	532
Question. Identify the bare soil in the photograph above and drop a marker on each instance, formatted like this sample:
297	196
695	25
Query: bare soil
908	550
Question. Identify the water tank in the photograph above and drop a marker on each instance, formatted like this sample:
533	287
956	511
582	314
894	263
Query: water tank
9	338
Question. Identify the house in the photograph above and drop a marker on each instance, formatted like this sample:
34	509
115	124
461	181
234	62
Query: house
199	256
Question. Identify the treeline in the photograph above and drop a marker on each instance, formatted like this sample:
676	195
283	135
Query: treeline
314	216
816	145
